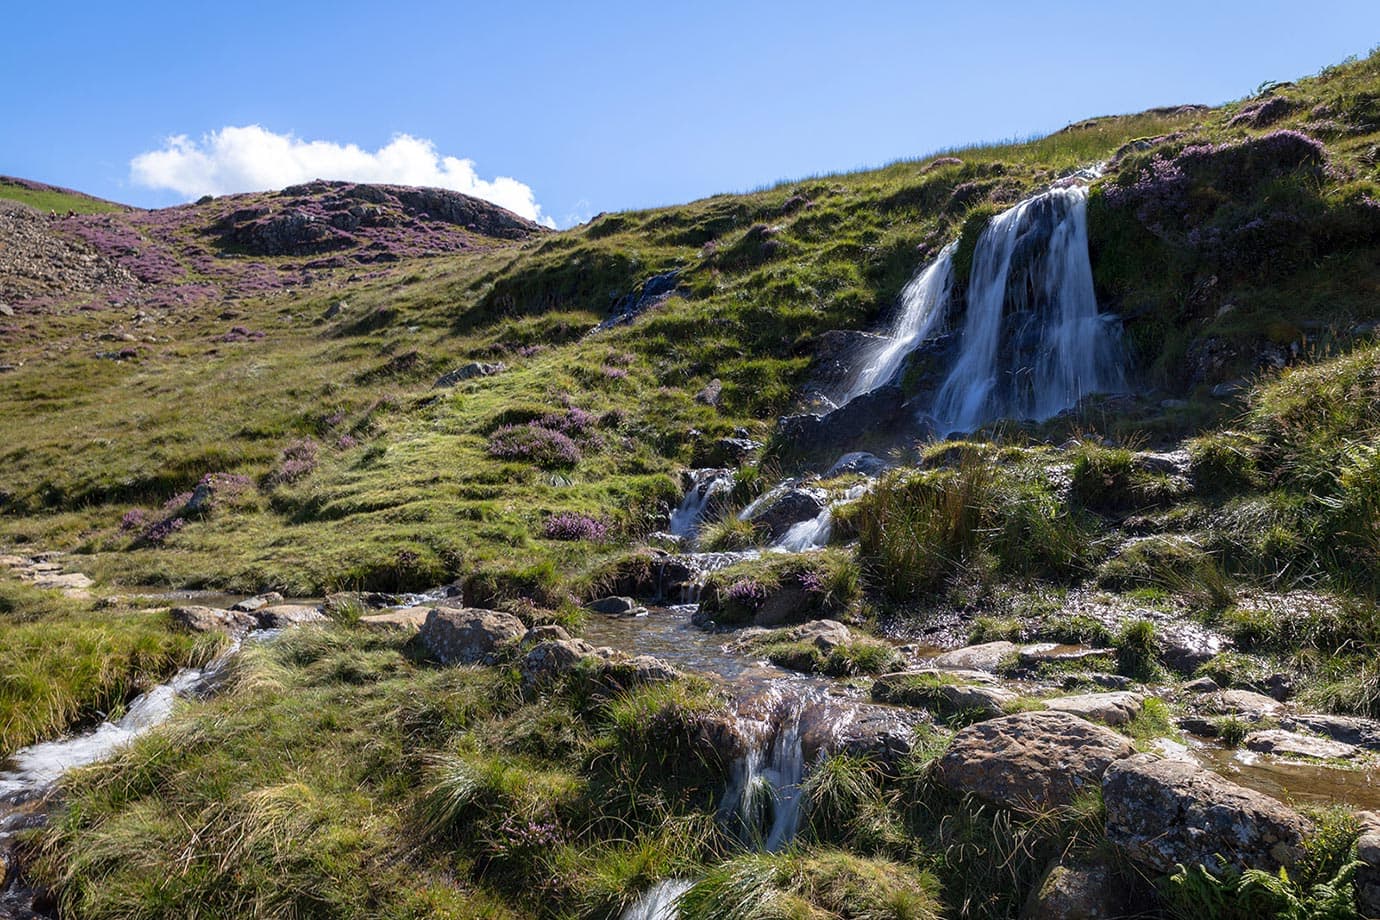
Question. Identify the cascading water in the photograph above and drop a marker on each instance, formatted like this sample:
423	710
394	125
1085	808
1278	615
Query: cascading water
815	532
659	903
1033	341
705	485
923	302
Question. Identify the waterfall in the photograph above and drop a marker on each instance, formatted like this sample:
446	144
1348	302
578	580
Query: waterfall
705	485
815	532
922	309
1033	341
659	902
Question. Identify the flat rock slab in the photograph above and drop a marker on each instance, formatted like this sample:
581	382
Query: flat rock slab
1163	813
75	580
404	618
938	692
1115	708
1283	743
283	616
985	657
258	602
1346	729
1032	760
1244	704
469	635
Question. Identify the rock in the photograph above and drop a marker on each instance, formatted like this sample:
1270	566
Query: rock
614	606
985	657
791	507
1163	813
549	632
342	600
1106	681
1196	725
727	452
1073	889
1115	708
711	393
653	292
1032	655
639	670
1032	760
335	309
212	619
1279	686
74	581
883	734
1166	463
1368	874
1185	645
1201	685
469	372
857	463
6	310
259	601
1244	704
935	691
282	616
1346	729
403	618
549	661
1292	744
876	419
825	635
469	635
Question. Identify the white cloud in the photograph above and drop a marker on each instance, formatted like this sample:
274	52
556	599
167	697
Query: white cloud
254	159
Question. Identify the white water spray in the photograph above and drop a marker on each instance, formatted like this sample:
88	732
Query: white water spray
705	486
923	303
660	901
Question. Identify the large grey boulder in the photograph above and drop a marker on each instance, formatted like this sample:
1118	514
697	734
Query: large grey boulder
469	635
212	619
551	660
1074	889
257	602
1032	760
1163	813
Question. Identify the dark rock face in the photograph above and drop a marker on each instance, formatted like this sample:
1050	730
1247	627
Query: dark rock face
857	463
653	292
1166	812
879	418
1030	760
469	635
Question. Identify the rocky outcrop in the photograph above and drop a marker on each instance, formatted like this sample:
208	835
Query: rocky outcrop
1355	730
469	635
1115	708
1033	760
857	463
1163	813
1368	874
873	420
468	372
778	515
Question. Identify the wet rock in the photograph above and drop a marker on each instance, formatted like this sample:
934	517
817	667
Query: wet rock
283	616
259	601
874	419
614	606
835	726
1185	645
1030	760
1074	889
1115	708
727	452
1039	653
1346	729
212	619
1283	743
1163	813
343	600
985	657
407	618
791	507
1196	725
857	463
469	635
469	372
1244	704
934	691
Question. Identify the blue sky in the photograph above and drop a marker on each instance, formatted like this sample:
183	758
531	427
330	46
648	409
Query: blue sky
605	106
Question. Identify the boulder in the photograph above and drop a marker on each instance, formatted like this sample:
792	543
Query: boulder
1186	645
469	635
548	632
935	691
857	463
838	726
1201	685
282	616
1283	743
1032	760
1096	678
874	419
825	635
1163	813
985	657
403	618
792	506
1244	704
250	604
552	659
213	619
469	372
616	606
1074	889
1115	708
621	672
1346	729
1368	874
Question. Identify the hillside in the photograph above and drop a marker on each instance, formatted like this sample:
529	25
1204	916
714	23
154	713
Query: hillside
338	389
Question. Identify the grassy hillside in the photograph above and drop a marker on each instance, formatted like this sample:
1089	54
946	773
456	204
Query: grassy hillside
51	198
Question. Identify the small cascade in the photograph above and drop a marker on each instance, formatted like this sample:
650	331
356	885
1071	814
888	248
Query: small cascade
33	769
1033	341
659	902
815	532
766	498
705	485
923	303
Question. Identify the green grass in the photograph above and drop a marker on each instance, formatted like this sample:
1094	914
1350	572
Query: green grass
65	664
53	199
